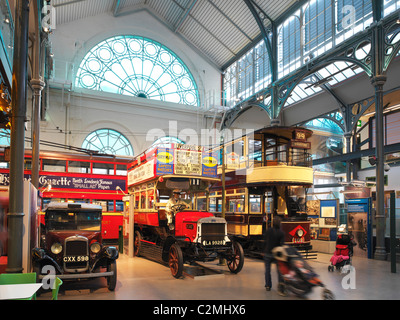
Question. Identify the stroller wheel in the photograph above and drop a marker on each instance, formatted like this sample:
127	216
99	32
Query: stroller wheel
328	295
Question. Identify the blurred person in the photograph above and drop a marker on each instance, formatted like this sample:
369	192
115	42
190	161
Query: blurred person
274	237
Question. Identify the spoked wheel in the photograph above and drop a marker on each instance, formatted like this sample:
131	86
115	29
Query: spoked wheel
137	244
175	260
236	260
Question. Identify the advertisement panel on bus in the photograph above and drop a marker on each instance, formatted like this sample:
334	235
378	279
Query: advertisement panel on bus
178	159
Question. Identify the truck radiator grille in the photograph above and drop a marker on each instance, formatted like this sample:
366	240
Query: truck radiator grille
212	231
76	249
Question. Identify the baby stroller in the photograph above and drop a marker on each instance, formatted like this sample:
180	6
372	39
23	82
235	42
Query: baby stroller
298	277
343	252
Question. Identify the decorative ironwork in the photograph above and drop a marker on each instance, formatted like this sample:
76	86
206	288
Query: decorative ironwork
140	67
370	47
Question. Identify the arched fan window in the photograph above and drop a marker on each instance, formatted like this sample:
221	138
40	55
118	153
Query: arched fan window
140	67
108	141
166	141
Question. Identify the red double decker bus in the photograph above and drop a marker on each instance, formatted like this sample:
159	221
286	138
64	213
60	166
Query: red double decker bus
186	231
77	178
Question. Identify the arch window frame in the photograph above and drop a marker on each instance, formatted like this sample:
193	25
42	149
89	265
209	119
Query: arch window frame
137	66
99	140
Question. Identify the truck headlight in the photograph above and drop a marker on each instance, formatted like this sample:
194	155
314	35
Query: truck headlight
95	247
56	248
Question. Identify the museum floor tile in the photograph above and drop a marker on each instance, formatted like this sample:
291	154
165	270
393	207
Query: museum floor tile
142	279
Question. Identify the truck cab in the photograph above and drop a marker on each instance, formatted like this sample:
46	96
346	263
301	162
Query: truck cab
71	244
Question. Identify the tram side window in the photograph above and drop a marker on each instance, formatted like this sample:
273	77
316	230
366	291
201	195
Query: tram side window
54	165
79	166
268	202
255	151
270	149
202	204
282	153
235	204
255	203
215	204
103	168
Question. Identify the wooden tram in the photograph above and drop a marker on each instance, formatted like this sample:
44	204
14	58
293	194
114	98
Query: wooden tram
197	235
267	174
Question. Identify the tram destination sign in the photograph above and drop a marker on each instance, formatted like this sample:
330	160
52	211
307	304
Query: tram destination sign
300	144
68	182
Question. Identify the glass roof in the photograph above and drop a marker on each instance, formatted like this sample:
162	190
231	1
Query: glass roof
326	125
330	75
390	5
314	29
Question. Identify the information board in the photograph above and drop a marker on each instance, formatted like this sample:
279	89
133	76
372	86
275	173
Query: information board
359	223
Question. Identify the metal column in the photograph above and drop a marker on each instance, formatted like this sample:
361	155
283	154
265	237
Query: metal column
348	135
37	84
378	80
380	251
18	114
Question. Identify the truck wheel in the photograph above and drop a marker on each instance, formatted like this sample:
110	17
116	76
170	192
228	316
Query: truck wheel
175	260
235	261
137	244
112	280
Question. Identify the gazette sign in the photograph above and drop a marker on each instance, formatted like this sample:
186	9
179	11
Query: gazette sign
62	182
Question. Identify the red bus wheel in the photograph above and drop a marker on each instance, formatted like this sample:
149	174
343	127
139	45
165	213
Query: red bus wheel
236	260
175	260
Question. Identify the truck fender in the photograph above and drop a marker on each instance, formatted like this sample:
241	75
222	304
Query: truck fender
39	256
106	254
